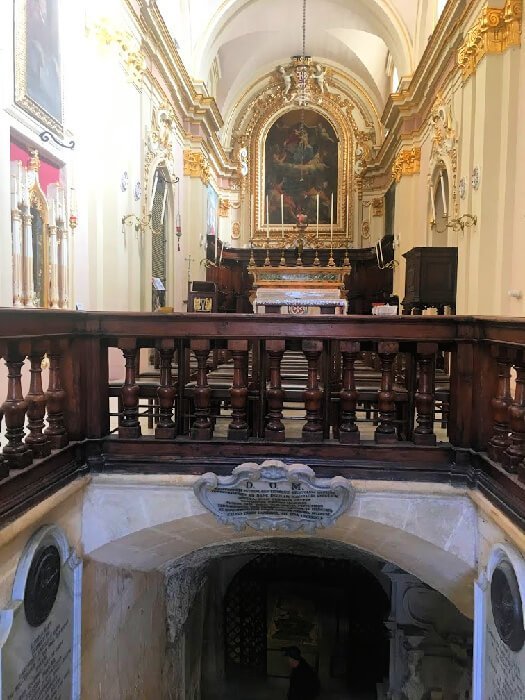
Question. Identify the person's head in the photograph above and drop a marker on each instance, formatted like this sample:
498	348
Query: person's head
294	656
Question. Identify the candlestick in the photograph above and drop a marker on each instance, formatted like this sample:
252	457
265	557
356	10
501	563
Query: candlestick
331	217
267	218
51	215
282	215
432	203
445	212
317	234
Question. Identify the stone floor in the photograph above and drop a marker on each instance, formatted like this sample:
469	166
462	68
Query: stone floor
276	689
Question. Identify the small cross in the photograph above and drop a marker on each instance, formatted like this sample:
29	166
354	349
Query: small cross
189	260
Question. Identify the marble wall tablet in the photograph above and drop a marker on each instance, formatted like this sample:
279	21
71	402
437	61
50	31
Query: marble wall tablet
275	496
503	641
40	630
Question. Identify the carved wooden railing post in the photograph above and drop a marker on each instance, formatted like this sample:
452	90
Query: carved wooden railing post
202	428
36	406
424	432
55	396
17	454
500	403
386	431
275	394
348	430
313	394
165	428
238	428
129	426
515	452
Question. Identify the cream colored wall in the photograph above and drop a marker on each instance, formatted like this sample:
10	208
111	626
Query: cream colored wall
487	111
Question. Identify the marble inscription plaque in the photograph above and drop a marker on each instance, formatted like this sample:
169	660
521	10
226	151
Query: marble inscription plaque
40	654
274	496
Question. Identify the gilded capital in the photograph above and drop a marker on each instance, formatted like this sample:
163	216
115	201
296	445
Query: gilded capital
407	162
224	207
196	165
494	31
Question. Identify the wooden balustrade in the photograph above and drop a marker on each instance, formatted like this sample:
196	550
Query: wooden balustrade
275	394
166	392
252	381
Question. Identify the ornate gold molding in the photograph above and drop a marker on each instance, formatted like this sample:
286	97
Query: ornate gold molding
196	165
378	206
407	162
131	55
494	31
224	207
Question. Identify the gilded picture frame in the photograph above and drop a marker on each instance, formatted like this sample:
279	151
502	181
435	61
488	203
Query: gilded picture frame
37	61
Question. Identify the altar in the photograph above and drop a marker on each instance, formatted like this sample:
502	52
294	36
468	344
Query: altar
300	290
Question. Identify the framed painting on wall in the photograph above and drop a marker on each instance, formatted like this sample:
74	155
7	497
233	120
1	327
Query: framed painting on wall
301	161
38	70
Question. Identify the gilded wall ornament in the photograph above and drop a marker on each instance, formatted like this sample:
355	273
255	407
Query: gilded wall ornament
407	162
444	150
224	207
196	165
494	31
462	188
303	82
377	206
131	56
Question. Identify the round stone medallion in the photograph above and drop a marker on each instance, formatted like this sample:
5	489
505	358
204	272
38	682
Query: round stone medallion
507	607
42	585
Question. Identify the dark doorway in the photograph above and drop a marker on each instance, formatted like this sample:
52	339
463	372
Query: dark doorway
333	609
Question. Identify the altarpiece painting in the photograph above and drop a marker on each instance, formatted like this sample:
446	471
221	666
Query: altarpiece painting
38	72
301	161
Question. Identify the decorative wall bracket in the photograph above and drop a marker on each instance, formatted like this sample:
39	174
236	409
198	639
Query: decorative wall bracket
459	224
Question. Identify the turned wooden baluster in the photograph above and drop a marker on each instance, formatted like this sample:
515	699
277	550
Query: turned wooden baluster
386	431
55	396
348	396
202	428
17	454
238	428
129	426
426	356
36	407
499	441
4	469
165	428
515	452
313	394
275	394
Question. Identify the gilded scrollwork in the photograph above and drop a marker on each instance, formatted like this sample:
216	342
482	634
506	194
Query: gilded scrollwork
494	31
444	151
407	162
196	165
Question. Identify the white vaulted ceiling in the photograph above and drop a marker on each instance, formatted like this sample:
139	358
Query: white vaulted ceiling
248	38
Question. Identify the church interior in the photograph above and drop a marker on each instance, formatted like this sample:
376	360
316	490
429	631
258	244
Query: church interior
262	342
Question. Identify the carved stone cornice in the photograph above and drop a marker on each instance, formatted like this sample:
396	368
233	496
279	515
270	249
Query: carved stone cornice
196	165
407	162
494	31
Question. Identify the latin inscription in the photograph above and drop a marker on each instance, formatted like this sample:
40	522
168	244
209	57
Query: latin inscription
505	675
46	675
274	499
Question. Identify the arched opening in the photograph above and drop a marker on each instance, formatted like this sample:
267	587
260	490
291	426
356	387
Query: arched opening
333	610
160	225
440	208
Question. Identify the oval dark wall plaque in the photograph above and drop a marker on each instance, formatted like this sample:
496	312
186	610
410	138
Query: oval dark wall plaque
42	584
507	608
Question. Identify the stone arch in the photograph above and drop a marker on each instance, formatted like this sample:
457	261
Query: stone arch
431	537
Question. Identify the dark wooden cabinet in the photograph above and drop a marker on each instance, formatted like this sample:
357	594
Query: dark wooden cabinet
431	279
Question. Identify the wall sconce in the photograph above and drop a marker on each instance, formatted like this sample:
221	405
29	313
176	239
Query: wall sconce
140	224
458	224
